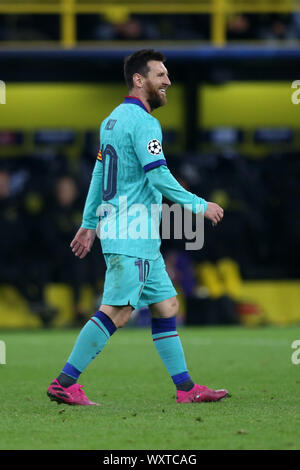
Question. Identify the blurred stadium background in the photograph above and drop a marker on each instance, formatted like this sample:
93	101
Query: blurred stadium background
231	134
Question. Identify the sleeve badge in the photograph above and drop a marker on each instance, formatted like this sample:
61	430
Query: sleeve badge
154	147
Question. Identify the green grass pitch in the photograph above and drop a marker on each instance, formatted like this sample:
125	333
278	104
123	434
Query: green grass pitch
138	398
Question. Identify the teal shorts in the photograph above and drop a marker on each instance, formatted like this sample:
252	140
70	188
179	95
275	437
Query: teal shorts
135	281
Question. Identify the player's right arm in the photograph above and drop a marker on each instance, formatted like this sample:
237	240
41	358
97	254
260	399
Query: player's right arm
84	238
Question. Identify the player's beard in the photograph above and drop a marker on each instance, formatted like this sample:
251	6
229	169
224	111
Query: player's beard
155	99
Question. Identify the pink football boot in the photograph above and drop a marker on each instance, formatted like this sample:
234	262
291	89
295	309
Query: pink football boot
200	393
73	395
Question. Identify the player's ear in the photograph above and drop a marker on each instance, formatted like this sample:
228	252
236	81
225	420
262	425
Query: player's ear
138	80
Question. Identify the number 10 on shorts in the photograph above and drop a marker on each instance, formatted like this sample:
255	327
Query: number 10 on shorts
144	268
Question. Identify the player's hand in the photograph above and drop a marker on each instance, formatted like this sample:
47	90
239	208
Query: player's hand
83	242
214	213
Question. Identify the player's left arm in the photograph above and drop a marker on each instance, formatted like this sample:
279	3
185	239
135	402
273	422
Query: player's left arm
163	180
149	151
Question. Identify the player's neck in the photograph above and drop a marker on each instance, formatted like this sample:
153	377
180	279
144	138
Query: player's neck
136	94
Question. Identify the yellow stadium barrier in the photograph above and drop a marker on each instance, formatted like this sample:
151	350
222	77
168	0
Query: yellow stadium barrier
277	301
208	276
230	274
257	302
60	296
14	311
217	9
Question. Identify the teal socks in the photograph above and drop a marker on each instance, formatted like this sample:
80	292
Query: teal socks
90	342
97	331
169	348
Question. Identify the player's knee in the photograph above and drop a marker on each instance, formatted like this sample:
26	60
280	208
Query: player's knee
118	315
122	322
167	309
123	317
174	307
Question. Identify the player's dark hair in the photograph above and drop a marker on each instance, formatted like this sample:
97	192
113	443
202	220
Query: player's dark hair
138	63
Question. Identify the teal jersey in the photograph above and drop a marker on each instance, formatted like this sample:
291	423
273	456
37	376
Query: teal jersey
131	145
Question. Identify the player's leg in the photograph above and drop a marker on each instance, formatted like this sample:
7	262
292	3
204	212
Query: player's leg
170	350
89	343
120	285
159	292
92	339
167	342
164	308
118	315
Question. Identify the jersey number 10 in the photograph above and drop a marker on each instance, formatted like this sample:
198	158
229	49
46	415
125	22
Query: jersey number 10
110	170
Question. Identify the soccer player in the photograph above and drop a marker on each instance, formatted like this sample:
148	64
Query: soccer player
131	164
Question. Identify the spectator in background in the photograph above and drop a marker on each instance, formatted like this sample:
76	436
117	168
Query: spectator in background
31	27
294	27
13	230
235	183
118	24
18	265
61	220
2	28
271	26
182	27
130	29
274	27
239	27
181	271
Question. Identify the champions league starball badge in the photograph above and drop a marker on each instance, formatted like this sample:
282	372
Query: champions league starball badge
154	147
